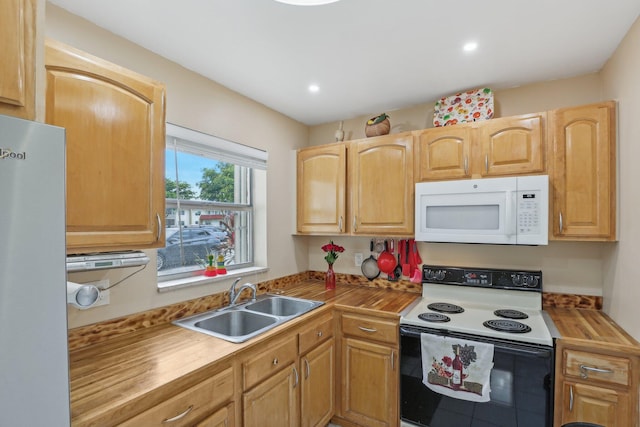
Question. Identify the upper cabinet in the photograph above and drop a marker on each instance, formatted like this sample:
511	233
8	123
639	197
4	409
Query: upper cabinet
498	147
381	185
377	199
115	128
321	188
584	173
17	42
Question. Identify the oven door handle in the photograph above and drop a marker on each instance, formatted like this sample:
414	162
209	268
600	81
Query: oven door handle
507	347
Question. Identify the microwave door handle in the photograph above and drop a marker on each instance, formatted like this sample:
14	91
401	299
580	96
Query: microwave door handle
509	226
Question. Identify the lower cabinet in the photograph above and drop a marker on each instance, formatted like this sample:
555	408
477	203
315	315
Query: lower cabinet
595	385
369	372
317	386
273	402
223	417
290	380
200	405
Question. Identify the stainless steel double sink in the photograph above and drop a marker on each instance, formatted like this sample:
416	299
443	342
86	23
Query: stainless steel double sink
242	322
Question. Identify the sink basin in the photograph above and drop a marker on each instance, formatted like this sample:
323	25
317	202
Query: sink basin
245	321
282	306
231	325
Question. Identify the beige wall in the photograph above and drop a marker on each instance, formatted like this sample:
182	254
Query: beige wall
197	103
621	77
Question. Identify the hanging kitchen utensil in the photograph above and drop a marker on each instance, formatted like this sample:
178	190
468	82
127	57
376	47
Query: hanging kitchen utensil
406	269
398	270
386	261
369	266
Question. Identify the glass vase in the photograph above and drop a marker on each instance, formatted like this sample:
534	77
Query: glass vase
330	279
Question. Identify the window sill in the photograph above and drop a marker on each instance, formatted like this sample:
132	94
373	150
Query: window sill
172	285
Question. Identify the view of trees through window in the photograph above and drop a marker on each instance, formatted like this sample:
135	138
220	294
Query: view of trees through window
208	212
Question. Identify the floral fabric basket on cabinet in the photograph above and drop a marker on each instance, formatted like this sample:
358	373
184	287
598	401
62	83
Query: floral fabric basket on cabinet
470	106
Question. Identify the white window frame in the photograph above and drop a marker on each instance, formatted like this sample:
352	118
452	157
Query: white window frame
219	149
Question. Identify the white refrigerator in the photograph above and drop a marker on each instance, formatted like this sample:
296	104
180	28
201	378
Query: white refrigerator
34	362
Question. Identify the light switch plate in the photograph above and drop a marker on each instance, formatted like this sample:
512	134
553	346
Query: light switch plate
358	259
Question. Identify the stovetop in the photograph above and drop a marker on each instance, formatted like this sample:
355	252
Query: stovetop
480	292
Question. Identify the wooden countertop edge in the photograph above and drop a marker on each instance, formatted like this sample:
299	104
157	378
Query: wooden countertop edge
105	410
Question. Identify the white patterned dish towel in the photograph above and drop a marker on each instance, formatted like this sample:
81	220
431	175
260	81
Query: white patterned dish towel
457	368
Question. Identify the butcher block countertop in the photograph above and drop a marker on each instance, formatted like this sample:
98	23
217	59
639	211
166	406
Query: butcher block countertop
117	378
591	328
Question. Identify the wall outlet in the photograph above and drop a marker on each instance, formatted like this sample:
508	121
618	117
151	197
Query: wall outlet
358	259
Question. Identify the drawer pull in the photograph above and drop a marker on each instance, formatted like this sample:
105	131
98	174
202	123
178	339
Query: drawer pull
275	361
319	334
178	417
584	371
371	330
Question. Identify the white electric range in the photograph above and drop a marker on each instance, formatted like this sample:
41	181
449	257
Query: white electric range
499	307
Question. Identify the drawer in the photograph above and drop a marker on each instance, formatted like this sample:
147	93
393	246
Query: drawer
191	405
321	330
370	328
601	367
264	363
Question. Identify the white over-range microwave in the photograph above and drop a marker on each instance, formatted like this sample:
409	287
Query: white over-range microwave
509	211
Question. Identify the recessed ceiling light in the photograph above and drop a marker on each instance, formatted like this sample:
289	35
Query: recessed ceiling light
307	2
314	88
469	47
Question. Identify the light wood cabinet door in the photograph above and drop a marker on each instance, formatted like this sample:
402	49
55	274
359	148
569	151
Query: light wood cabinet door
381	185
443	153
115	129
274	402
595	404
369	383
317	371
223	417
511	145
321	189
584	170
17	43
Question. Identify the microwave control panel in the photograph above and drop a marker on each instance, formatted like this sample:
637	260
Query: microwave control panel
528	212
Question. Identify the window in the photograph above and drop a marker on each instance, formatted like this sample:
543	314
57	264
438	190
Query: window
209	205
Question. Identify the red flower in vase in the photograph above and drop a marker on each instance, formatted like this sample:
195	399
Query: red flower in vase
332	251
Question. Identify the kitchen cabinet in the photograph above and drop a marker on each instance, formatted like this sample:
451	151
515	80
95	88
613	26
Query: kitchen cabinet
115	128
584	173
291	383
321	189
595	385
273	402
317	371
368	392
17	43
201	405
361	187
497	147
381	186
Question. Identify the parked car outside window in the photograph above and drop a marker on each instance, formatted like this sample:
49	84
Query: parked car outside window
196	244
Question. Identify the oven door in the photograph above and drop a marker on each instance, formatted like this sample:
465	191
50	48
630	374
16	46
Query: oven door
521	386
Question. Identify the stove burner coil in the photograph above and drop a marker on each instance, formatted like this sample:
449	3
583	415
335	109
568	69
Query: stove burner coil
504	325
434	317
445	307
511	314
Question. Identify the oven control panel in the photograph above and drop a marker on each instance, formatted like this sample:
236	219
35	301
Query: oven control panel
486	278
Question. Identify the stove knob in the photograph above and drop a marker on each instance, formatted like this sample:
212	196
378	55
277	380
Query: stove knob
440	274
516	280
532	281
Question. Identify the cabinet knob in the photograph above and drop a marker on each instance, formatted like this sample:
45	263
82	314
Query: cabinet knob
275	361
319	334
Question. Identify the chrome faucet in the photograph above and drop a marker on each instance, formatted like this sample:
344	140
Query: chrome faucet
234	294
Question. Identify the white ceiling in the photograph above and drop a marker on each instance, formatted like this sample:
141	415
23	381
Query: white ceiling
368	56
